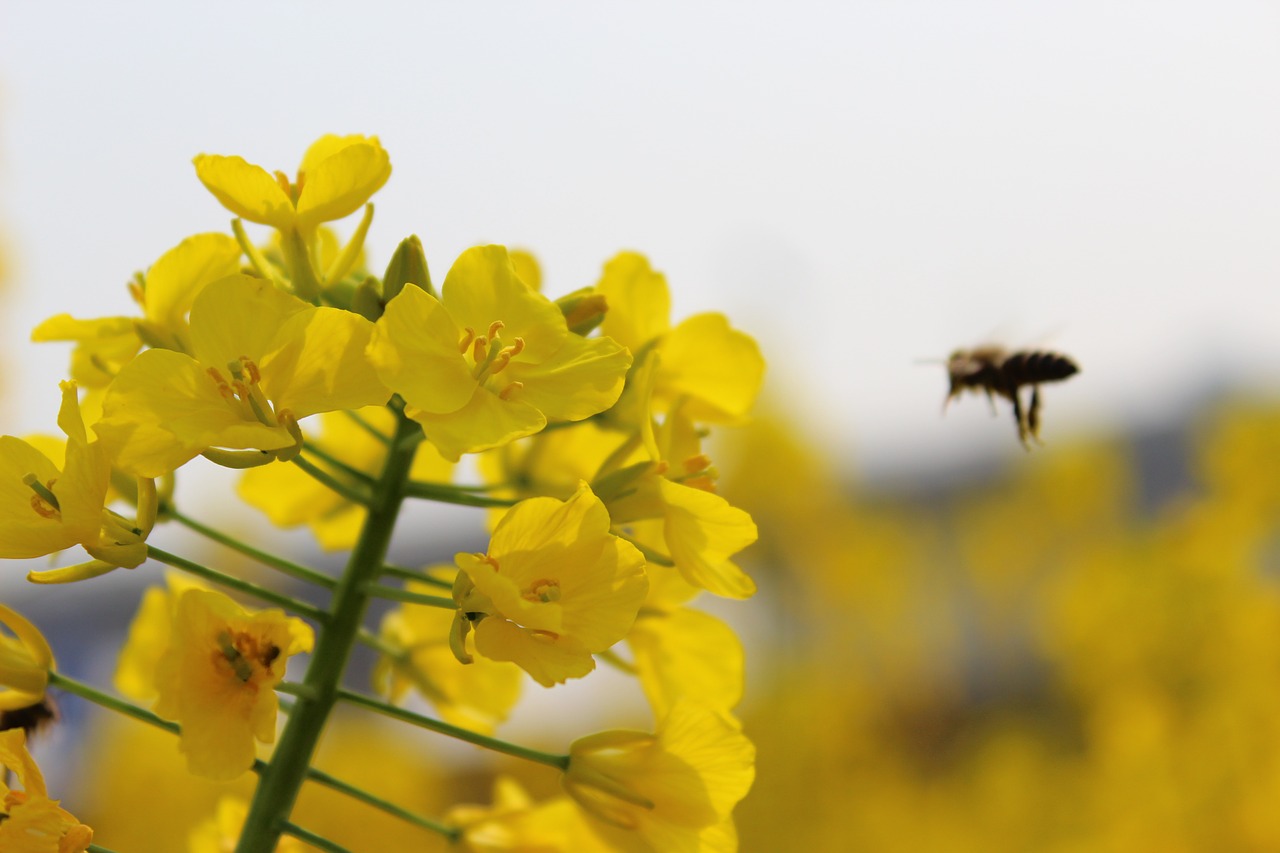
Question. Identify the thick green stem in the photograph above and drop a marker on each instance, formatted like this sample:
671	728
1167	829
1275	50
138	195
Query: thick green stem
280	781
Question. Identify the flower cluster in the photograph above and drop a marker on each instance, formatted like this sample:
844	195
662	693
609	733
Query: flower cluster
587	415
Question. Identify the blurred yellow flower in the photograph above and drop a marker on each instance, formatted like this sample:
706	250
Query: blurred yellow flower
261	361
555	587
25	661
514	823
674	789
337	176
221	831
492	360
149	634
30	822
218	675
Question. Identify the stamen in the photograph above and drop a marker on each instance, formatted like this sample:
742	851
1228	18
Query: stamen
479	349
223	388
239	665
467	338
505	393
495	327
44	501
137	291
697	463
543	590
255	376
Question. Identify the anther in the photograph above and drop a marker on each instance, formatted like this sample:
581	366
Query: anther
495	327
479	349
223	388
697	463
468	336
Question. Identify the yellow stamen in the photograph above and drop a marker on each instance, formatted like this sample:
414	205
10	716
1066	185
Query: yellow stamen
495	327
479	349
467	338
505	393
44	501
543	590
697	463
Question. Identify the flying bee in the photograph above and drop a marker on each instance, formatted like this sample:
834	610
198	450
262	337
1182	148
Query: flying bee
1000	373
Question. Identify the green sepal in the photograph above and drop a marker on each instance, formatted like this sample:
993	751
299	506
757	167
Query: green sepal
366	299
583	310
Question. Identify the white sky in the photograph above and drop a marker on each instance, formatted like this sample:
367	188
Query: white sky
858	184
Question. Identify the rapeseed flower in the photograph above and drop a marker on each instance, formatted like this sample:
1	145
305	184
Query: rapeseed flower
30	822
44	509
337	176
218	675
675	789
704	364
514	823
554	588
492	360
261	360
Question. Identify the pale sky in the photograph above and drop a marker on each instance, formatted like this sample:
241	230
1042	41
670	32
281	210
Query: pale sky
860	185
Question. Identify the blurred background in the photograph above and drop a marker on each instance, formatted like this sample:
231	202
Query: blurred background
958	645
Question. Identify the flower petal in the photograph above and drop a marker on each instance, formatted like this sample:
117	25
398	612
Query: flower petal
178	276
341	183
485	422
482	286
414	349
639	302
319	364
584	377
246	190
717	367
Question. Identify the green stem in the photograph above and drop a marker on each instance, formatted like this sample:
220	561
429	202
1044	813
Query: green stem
325	456
98	848
322	778
319	841
359	421
415	575
271	560
451	495
280	781
231	582
111	703
650	555
324	477
560	762
395	593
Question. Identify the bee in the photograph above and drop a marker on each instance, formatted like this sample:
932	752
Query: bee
1000	373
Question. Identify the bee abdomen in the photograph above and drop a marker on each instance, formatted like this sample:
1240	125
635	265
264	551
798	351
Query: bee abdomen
1033	367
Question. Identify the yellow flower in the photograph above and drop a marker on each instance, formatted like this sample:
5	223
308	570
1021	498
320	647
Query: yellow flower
516	824
685	653
674	789
25	661
106	344
554	588
30	822
477	697
263	360
715	369
337	176
492	360
44	510
290	496
217	678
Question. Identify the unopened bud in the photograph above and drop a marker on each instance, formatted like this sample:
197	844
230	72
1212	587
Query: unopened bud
583	310
408	265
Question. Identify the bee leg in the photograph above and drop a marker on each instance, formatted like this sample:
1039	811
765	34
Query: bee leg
1033	414
1019	418
991	399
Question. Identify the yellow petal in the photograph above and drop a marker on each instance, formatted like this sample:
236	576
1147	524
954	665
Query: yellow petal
341	183
485	422
178	276
687	654
702	531
584	377
246	190
548	660
24	532
103	345
239	316
318	364
717	367
639	302
414	349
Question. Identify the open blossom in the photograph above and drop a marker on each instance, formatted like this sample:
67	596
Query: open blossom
261	360
492	360
554	588
30	822
337	176
514	823
674	789
218	675
45	508
713	370
165	293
